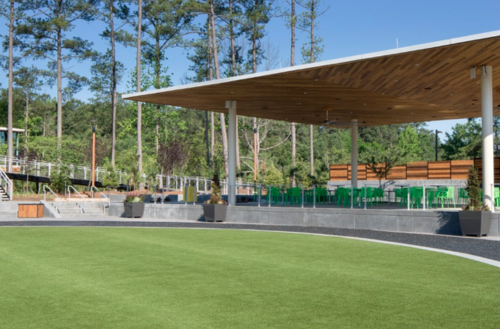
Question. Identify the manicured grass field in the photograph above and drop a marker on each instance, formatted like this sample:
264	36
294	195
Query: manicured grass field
181	278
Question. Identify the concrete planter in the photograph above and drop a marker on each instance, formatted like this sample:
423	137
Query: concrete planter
214	212
134	209
476	223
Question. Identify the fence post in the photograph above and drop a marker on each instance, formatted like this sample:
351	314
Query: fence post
352	197
269	188
260	194
302	196
314	196
408	196
424	196
365	197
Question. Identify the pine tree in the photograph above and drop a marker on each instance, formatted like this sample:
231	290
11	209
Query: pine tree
47	38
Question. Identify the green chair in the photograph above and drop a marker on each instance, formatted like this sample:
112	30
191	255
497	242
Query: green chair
367	193
404	197
416	196
321	195
275	194
339	194
379	195
496	193
446	194
397	195
463	196
431	196
294	195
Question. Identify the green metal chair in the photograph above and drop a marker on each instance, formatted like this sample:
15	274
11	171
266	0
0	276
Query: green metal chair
321	195
446	194
463	197
379	195
431	196
367	192
404	197
275	194
294	195
416	196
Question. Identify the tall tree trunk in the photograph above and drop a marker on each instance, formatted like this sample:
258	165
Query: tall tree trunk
311	59
26	123
59	81
113	82
217	75
10	135
207	141
210	77
158	108
292	63
256	138
233	67
139	104
311	151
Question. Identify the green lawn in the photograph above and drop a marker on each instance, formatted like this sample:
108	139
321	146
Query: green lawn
179	278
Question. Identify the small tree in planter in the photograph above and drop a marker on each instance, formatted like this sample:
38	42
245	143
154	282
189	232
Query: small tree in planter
134	205
215	208
475	218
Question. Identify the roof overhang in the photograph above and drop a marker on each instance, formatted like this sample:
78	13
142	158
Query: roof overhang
413	84
15	130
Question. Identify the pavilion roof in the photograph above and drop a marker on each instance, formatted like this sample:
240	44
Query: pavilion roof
413	84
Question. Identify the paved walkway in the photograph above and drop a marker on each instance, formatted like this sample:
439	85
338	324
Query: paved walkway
482	247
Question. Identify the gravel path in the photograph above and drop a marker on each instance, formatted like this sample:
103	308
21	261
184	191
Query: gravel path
482	247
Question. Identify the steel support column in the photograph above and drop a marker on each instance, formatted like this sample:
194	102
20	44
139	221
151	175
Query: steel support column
487	127
354	153
231	107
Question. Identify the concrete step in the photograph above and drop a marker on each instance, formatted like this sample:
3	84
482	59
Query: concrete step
93	211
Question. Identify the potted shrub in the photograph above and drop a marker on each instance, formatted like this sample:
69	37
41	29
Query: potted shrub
134	205
215	208
475	218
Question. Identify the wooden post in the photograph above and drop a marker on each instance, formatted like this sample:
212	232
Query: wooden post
93	156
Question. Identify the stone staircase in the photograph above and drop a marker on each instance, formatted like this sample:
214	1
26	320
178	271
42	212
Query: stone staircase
73	209
3	194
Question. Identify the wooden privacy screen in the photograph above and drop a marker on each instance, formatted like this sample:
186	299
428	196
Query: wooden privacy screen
454	169
478	163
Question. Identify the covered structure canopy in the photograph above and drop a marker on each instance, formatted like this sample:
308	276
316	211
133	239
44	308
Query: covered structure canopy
412	84
450	79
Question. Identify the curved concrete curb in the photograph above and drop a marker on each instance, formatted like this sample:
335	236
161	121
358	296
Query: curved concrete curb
472	248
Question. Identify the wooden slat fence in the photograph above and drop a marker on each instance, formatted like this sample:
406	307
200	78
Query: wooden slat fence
422	170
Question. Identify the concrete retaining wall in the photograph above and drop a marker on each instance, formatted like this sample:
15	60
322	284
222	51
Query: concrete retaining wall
439	222
8	209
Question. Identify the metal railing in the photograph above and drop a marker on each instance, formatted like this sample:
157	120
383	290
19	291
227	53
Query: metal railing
46	188
93	188
6	184
78	193
44	169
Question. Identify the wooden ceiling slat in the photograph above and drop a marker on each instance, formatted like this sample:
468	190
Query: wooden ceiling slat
397	82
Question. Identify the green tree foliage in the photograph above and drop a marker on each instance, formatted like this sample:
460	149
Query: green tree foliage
273	176
47	36
409	146
59	179
464	142
474	192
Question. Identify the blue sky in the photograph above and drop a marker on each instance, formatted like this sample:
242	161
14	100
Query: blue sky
347	28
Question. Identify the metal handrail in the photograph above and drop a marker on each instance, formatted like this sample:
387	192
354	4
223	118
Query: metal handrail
44	189
8	183
70	187
92	188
